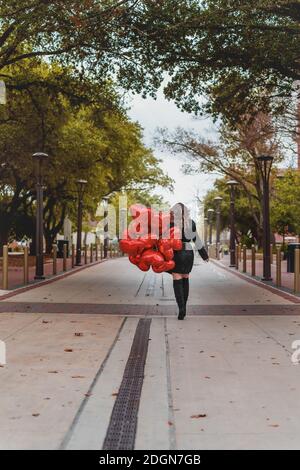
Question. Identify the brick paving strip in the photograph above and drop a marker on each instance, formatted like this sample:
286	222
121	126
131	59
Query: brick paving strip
141	310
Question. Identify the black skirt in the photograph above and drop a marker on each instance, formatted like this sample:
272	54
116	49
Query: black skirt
184	260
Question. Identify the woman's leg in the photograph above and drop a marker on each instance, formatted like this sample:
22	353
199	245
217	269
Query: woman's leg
179	294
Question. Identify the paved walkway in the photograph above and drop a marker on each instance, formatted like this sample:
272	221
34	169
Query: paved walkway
223	378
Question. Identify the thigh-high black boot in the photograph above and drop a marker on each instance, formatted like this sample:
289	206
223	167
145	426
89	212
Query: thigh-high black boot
179	296
186	286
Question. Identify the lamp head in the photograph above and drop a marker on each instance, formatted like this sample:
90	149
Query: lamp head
80	186
210	214
218	200
265	158
40	155
81	182
265	165
232	183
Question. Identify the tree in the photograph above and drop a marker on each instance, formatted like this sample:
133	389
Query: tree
285	206
246	227
118	38
94	141
285	203
234	155
243	55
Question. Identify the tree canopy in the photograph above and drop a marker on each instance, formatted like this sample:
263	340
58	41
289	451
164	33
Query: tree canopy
284	207
94	141
234	155
285	203
245	216
242	54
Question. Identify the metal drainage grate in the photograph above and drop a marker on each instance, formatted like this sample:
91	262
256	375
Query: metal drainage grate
121	430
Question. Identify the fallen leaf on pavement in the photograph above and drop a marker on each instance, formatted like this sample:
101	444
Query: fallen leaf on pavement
68	350
52	371
199	416
78	334
78	377
35	415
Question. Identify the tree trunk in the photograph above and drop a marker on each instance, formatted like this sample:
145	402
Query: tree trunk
49	239
3	239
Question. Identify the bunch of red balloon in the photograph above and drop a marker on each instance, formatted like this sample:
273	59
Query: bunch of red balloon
149	240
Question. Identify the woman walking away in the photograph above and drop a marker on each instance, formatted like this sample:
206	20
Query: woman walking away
184	258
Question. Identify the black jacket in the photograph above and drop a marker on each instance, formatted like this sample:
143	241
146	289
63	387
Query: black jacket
190	234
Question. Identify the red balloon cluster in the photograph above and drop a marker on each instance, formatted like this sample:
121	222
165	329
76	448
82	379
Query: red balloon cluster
146	240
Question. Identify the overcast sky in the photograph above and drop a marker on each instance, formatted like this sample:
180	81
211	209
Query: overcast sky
151	114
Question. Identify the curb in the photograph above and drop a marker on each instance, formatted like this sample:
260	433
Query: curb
58	277
275	290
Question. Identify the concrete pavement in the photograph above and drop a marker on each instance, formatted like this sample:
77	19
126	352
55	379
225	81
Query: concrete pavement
119	282
222	379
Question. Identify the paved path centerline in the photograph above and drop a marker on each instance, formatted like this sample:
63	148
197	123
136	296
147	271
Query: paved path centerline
68	435
140	285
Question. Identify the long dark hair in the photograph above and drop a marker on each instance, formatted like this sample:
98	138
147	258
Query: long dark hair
180	216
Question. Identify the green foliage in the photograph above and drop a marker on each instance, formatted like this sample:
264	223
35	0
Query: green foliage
91	141
234	156
241	54
284	208
285	203
246	225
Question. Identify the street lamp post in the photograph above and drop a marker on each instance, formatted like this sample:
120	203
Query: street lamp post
39	158
205	232
232	185
80	189
210	215
265	165
106	240
218	200
122	221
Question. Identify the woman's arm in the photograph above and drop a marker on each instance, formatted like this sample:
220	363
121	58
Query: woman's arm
199	244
